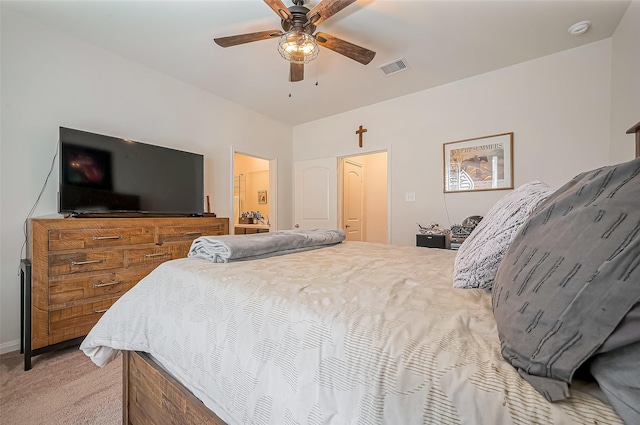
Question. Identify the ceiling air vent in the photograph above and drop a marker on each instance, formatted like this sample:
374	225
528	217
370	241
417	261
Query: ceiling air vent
394	67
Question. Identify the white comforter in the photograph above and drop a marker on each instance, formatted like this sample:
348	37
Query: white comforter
355	333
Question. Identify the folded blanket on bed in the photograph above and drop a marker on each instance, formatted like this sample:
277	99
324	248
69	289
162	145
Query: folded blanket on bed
228	248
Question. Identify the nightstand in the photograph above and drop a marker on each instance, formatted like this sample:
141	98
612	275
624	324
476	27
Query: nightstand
454	242
431	240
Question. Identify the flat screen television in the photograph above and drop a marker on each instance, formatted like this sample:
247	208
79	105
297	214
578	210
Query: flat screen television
112	176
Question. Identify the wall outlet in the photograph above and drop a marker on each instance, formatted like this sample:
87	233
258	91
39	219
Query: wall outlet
410	196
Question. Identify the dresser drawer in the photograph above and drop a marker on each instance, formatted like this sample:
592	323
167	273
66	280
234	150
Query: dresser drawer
81	266
62	239
188	233
82	288
86	261
155	255
85	315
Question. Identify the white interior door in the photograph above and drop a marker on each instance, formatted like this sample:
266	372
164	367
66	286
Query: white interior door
352	199
315	194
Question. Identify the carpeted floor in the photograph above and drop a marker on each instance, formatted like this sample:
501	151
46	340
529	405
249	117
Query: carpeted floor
63	387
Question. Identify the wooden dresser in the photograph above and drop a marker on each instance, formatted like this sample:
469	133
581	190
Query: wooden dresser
78	267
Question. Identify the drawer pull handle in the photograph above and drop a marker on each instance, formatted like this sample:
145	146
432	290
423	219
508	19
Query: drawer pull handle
99	311
192	233
100	238
82	263
158	254
100	285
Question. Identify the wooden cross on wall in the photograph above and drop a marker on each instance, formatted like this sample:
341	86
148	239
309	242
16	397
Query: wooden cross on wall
359	132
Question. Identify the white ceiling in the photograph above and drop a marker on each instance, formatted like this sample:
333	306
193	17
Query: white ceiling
441	42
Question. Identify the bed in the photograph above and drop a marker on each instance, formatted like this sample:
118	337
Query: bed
345	333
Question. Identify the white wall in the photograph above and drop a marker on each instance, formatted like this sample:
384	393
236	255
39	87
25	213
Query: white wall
563	109
50	80
557	106
625	87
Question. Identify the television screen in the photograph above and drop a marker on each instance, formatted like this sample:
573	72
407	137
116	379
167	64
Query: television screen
104	174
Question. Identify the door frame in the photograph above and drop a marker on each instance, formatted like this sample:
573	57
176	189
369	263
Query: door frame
340	193
273	187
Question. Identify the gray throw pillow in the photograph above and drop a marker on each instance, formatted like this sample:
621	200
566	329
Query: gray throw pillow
570	276
477	260
616	367
618	374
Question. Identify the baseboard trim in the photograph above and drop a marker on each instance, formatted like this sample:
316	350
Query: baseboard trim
7	347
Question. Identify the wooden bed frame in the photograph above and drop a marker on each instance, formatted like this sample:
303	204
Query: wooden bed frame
636	129
151	396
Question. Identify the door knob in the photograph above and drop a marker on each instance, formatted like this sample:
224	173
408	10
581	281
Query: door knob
296	226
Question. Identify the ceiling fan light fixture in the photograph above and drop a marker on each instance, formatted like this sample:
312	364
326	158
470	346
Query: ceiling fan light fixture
298	47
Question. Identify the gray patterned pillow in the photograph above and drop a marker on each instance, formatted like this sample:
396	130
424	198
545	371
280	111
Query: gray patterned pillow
570	276
615	367
479	256
618	375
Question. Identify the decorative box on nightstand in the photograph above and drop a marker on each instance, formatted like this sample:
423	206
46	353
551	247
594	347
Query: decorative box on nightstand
455	242
431	240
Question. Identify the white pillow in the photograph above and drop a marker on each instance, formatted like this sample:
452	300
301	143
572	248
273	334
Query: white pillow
479	256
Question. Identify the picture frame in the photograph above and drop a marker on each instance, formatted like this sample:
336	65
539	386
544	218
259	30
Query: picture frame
262	196
478	164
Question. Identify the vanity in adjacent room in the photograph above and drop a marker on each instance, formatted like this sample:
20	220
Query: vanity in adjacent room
247	229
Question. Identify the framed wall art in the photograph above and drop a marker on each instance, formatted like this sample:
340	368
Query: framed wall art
482	163
262	196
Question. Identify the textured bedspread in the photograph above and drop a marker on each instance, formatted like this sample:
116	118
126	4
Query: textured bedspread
354	333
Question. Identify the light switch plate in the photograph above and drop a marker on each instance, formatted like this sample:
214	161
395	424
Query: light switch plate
410	196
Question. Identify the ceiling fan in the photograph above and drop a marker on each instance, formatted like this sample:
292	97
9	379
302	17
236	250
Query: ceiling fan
297	41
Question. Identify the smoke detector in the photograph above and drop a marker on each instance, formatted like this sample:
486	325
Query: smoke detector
579	28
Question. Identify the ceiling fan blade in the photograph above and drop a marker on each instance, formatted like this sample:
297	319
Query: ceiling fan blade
234	40
327	8
296	72
279	7
350	50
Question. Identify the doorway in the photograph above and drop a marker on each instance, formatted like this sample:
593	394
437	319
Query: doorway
319	194
363	199
253	194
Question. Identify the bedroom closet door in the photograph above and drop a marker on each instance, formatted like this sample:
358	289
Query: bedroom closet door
352	200
315	192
